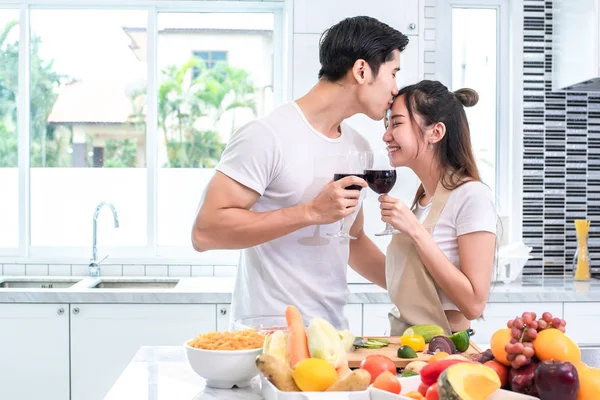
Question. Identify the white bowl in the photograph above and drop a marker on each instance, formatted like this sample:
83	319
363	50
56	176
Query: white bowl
223	369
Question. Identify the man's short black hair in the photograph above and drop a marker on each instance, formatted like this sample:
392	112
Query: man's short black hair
357	38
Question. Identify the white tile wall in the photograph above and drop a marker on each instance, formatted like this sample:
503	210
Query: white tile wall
14	269
59	270
79	270
202	270
157	270
36	269
180	271
134	270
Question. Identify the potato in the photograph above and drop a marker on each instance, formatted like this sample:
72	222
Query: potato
277	372
415	366
358	380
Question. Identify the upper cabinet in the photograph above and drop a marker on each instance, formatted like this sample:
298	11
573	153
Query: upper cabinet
314	16
576	45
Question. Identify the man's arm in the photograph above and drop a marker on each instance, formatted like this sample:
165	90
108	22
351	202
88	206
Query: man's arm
365	256
224	220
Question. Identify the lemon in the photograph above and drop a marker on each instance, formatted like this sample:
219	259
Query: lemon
314	375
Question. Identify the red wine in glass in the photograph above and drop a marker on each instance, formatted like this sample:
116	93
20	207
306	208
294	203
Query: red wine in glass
337	177
381	181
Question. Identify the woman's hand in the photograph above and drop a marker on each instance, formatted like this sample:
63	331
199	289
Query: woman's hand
397	214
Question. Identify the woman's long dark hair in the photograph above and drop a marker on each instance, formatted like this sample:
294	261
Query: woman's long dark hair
434	103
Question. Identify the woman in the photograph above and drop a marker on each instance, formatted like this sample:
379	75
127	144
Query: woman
439	268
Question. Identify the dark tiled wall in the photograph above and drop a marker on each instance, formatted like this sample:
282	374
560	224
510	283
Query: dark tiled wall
561	140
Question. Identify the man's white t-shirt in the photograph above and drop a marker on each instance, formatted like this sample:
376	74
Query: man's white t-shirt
285	160
470	208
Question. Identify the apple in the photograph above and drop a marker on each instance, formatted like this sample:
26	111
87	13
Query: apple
557	380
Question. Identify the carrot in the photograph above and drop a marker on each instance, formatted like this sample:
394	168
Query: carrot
297	340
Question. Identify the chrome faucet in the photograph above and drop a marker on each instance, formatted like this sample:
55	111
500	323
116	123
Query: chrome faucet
94	266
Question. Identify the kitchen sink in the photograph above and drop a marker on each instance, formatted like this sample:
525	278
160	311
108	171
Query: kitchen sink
135	284
34	283
590	355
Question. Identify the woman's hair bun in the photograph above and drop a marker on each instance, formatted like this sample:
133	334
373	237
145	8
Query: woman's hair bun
468	97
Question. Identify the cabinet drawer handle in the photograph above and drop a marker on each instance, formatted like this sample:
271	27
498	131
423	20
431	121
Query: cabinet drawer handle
223	311
412	26
76	310
60	311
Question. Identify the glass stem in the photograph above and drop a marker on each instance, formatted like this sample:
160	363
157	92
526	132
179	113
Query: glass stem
342	225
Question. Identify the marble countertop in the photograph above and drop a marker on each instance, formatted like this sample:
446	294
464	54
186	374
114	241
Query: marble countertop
217	290
162	372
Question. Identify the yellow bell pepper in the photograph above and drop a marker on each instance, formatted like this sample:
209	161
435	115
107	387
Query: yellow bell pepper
416	342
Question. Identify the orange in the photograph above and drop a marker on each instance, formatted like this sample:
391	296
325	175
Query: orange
552	344
499	340
589	382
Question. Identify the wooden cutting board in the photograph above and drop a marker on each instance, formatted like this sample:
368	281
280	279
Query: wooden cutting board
356	356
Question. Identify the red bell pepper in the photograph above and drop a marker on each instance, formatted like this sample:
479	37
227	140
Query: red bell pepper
431	372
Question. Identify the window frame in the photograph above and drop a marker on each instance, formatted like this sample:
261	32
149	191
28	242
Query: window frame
509	65
151	253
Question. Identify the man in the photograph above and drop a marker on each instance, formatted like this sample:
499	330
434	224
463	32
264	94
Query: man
268	196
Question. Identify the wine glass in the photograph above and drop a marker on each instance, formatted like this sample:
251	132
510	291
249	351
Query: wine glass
351	164
381	177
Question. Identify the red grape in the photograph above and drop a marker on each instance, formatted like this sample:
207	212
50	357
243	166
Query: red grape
517	348
516	333
542	324
524	331
518	323
521	360
547	317
533	324
556	322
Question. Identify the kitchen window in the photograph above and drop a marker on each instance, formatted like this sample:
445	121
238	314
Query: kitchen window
9	139
116	108
472	50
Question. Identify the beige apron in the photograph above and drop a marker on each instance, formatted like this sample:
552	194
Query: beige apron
410	286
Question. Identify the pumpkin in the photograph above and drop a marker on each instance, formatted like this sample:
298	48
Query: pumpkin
468	381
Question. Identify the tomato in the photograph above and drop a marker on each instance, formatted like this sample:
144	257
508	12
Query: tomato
500	369
387	381
432	393
423	388
376	364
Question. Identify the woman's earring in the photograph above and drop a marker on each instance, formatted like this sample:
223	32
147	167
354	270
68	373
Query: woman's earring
431	146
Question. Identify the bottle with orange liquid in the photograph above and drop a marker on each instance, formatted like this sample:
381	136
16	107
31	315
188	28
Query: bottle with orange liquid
581	260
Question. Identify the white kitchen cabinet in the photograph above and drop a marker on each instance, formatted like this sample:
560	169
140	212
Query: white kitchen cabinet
223	312
306	67
496	315
580	318
354	315
314	16
375	319
105	337
34	351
